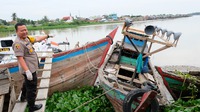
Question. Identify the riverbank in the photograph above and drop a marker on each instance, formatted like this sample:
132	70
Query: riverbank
8	30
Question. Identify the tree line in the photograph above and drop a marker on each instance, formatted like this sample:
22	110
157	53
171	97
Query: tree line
16	19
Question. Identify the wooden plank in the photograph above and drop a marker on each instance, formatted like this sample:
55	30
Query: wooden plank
167	97
48	60
42	94
20	107
124	77
142	78
45	63
3	76
1	102
43	78
129	68
44	83
155	51
149	76
4	81
48	66
12	100
125	87
4	88
46	74
40	70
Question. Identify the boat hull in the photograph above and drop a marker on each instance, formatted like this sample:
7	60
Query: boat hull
176	84
115	97
70	69
116	92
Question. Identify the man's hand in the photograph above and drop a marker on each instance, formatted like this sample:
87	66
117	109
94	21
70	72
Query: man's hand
50	36
29	75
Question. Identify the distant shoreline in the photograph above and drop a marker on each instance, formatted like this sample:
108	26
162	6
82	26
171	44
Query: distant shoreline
10	30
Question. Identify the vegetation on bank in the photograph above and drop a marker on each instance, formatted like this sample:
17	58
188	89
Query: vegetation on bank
184	106
79	100
186	103
92	99
49	25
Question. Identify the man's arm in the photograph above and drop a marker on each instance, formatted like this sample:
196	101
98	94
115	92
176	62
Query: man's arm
40	38
24	66
22	63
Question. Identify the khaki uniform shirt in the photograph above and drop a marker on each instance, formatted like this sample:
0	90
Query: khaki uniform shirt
24	48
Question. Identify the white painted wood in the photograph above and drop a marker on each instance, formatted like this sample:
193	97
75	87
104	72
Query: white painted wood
44	84
19	107
42	94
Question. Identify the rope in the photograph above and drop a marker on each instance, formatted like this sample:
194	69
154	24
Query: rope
183	85
98	48
3	71
86	57
91	100
89	58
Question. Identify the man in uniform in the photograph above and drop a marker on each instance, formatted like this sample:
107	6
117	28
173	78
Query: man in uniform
28	63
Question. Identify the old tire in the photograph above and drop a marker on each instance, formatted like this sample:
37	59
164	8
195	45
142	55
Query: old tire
111	40
133	96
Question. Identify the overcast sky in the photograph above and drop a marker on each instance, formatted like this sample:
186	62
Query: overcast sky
37	9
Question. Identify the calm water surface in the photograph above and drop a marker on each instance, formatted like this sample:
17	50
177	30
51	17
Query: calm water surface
186	53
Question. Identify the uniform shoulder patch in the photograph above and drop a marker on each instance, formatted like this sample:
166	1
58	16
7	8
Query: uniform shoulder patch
31	39
17	46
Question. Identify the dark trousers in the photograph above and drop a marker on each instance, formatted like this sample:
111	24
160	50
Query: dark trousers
29	89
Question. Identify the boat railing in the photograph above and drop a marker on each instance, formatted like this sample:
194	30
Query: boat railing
153	34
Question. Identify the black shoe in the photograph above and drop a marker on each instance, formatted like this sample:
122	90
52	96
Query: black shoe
22	98
35	107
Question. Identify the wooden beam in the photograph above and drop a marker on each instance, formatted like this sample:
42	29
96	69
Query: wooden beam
148	39
1	102
155	51
167	97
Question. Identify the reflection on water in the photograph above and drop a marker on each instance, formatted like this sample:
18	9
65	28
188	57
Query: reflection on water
186	52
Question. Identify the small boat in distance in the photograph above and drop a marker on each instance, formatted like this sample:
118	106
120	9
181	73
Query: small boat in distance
128	77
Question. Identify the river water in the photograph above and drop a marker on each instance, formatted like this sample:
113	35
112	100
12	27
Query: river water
186	53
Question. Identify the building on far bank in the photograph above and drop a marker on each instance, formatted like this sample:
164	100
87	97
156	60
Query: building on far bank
68	19
113	17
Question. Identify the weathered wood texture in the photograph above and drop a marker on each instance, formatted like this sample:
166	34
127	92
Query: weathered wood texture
167	97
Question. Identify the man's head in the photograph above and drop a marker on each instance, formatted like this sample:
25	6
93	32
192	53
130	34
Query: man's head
21	30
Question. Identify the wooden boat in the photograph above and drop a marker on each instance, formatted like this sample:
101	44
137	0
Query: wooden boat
70	69
128	88
178	84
